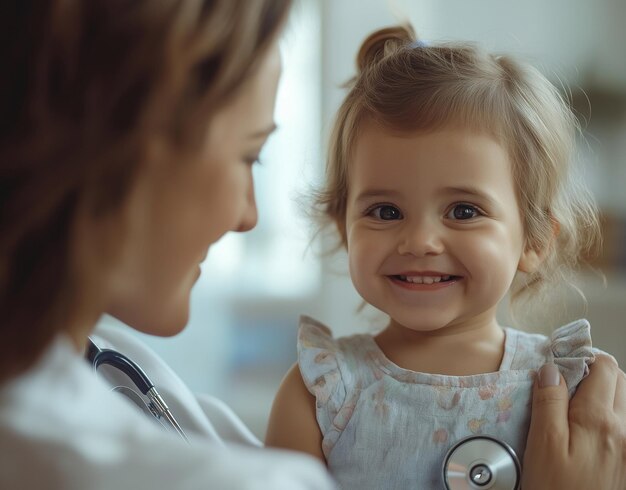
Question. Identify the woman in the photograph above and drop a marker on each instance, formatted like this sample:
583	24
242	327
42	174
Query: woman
128	133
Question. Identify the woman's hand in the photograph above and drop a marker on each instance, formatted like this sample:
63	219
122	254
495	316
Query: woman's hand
580	445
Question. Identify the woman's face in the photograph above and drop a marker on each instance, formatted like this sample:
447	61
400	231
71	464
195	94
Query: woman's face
180	208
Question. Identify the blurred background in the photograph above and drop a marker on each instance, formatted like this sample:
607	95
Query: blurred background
244	316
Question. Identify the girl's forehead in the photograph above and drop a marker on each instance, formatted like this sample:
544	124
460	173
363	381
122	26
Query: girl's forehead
488	125
446	158
375	134
376	140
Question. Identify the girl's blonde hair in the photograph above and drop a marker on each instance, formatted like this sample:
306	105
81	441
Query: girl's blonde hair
408	85
86	87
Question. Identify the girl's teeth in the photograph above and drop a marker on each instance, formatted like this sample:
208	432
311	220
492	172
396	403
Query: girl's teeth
424	279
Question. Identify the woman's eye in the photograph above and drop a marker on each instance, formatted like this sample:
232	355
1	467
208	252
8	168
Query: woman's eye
386	213
463	212
251	160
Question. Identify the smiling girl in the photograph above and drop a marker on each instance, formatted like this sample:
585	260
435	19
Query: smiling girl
447	183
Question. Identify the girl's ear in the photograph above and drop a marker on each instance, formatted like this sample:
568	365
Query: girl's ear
533	257
530	260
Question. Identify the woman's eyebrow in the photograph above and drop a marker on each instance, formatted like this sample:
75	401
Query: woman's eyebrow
263	133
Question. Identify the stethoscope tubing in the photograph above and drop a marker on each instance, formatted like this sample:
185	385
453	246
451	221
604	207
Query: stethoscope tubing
97	357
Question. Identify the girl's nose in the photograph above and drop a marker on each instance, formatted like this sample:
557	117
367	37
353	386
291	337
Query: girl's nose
250	215
420	239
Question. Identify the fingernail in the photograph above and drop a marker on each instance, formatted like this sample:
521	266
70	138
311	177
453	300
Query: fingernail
549	375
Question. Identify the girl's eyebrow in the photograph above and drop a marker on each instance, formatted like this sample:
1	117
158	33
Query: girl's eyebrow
369	194
376	193
471	191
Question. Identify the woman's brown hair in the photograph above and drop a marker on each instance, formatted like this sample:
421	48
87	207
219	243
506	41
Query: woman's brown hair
85	86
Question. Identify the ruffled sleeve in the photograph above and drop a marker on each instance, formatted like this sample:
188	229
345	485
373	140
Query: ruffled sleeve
319	359
572	352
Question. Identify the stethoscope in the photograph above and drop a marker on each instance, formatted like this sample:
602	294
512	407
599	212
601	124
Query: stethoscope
476	462
155	405
481	462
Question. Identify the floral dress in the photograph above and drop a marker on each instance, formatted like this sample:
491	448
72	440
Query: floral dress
385	427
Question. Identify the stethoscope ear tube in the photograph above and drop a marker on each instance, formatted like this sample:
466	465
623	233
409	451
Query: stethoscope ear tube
113	358
481	462
157	405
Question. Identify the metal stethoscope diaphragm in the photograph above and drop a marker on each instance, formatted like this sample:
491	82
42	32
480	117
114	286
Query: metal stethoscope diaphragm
481	462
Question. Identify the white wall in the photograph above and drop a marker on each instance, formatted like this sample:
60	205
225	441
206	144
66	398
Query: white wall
571	37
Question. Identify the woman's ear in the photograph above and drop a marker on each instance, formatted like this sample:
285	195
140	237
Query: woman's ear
533	256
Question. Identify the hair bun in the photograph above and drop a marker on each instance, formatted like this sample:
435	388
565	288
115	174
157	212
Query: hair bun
380	43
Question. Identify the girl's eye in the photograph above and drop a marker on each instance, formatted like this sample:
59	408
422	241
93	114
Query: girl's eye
386	213
463	212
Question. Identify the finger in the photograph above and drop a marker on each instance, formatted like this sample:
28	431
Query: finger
549	420
599	387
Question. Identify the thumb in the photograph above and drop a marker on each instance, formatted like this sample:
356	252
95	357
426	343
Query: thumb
549	428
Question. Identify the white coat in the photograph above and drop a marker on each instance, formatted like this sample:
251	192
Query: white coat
62	428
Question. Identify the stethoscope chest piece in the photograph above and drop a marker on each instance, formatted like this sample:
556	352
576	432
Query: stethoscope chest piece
481	462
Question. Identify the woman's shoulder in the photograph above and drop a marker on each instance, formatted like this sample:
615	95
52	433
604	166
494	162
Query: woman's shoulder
99	460
198	414
57	419
62	428
60	396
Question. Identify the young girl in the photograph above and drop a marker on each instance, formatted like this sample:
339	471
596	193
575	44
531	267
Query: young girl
447	181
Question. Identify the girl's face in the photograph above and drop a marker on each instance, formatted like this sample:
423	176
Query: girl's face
180	208
434	232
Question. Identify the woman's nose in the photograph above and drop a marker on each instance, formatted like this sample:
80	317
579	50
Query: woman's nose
420	239
250	215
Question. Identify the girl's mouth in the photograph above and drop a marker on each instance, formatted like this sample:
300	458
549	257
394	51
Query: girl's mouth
426	279
426	283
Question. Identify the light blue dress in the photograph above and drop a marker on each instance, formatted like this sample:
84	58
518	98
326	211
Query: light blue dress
385	427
